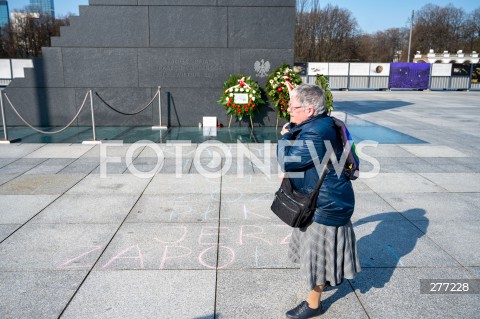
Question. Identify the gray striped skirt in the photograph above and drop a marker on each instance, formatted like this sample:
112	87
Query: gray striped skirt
326	254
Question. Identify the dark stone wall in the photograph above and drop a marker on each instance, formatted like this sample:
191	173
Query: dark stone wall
125	49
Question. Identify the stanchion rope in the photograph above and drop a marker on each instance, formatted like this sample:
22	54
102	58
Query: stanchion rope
45	132
123	113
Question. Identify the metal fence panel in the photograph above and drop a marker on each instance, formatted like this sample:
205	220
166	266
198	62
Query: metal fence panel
379	82
358	82
338	82
460	82
440	82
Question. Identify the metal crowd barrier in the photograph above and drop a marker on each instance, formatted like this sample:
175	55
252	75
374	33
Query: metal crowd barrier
94	140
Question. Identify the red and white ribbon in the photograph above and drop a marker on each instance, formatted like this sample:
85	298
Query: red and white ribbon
241	84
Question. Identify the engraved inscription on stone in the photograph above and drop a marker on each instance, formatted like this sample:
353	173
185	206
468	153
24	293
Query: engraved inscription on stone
190	68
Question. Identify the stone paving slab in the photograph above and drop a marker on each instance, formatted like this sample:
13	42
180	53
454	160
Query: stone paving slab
373	207
105	168
172	166
40	184
183	184
170	150
6	161
18	209
434	207
473	198
175	294
404	165
87	209
60	151
433	151
458	182
398	244
81	166
402	183
51	166
158	246
214	165
252	184
110	184
7	229
177	208
146	166
54	247
475	271
455	164
21	166
360	186
266	166
112	149
395	293
250	246
39	294
263	151
6	178
272	292
387	150
461	241
18	150
247	208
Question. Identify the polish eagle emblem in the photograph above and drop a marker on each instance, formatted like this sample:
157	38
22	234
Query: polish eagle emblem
262	67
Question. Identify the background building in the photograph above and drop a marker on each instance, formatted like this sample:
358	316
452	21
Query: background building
42	6
4	13
446	57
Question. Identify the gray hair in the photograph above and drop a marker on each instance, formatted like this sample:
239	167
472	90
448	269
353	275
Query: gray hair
310	95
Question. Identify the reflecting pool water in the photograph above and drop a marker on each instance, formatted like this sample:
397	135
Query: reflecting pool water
360	130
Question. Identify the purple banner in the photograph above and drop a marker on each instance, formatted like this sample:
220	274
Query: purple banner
409	76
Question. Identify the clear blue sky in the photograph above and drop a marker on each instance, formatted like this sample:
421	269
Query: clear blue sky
378	15
372	15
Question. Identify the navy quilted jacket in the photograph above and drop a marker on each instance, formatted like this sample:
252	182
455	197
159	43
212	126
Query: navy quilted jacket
336	200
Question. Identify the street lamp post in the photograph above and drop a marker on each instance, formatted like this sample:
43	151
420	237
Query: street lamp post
410	38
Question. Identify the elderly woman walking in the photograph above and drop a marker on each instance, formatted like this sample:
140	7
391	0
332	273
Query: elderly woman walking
325	248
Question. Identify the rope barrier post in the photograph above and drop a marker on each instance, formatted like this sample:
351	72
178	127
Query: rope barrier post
5	133
160	126
94	141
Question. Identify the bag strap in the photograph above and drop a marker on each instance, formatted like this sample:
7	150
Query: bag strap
314	194
321	178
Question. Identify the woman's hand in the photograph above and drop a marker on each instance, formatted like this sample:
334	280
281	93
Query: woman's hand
285	129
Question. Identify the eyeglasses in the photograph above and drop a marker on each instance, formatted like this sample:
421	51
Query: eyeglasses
293	108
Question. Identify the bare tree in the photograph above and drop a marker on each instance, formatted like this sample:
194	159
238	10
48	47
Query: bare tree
306	23
438	28
326	34
332	34
28	33
472	31
385	45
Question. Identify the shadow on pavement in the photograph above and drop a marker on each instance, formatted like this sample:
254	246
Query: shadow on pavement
383	249
363	107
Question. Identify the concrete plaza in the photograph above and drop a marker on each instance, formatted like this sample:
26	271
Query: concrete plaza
82	239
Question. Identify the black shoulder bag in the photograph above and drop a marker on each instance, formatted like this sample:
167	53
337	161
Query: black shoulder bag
294	208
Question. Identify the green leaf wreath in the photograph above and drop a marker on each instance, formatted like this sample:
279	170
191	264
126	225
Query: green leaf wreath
241	97
322	81
278	88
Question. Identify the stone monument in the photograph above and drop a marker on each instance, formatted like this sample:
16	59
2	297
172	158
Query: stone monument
125	49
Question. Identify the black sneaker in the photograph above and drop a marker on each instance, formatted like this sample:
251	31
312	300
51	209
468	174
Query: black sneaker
303	311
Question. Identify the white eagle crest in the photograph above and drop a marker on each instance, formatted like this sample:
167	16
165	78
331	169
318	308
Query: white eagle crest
262	67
